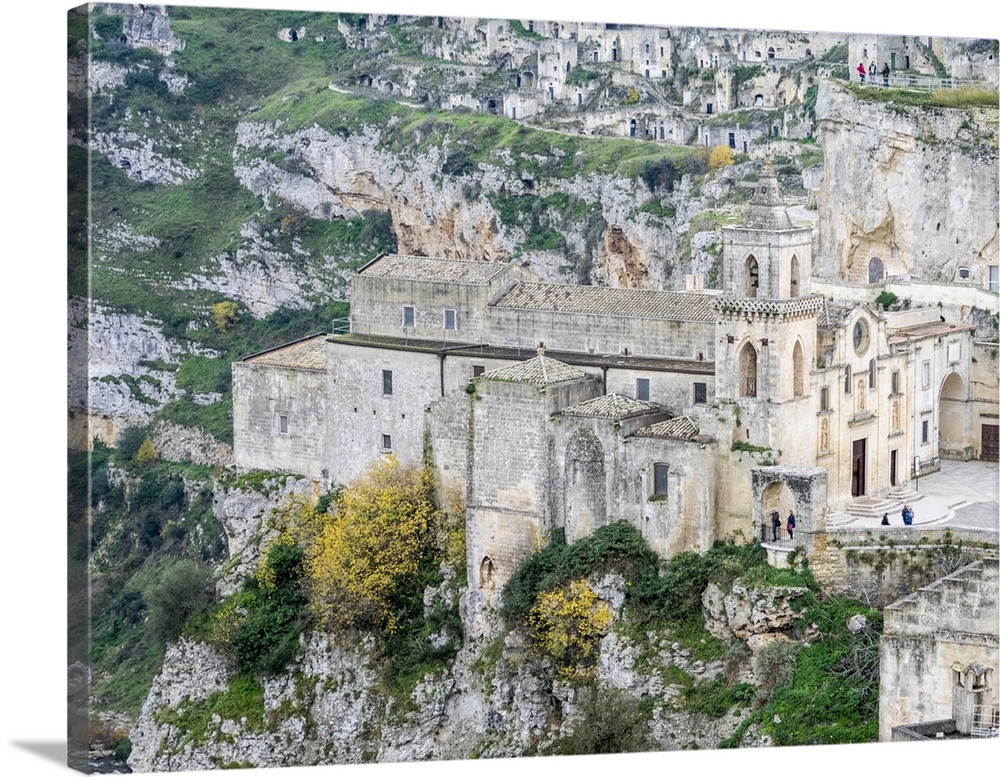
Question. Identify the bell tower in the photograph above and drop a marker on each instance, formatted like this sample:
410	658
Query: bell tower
766	325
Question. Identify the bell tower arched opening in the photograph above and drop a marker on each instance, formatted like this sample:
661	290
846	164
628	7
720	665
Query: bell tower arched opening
752	275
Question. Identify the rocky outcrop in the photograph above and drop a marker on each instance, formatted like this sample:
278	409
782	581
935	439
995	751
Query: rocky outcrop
245	515
191	444
913	187
745	611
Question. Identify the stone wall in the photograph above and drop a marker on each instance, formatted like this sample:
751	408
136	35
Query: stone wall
262	394
929	636
883	562
602	333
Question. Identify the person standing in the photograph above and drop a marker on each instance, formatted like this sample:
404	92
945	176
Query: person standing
775	525
790	525
872	70
907	515
861	71
885	74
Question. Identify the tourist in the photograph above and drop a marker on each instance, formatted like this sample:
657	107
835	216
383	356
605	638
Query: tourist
790	525
885	74
775	525
861	71
907	515
885	519
872	70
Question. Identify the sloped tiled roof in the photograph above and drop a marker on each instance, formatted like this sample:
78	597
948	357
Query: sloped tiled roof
683	428
613	406
308	354
426	268
539	371
631	303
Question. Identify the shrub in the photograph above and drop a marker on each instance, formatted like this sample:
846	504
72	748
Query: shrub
183	590
567	624
720	157
130	440
146	454
613	722
224	313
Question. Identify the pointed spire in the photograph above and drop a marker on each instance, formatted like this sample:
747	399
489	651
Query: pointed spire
767	207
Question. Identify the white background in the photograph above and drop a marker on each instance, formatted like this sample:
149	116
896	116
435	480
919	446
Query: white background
32	618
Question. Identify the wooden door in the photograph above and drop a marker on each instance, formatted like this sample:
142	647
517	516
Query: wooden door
991	442
858	467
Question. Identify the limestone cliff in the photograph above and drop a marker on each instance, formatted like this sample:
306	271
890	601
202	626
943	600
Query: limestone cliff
498	698
915	187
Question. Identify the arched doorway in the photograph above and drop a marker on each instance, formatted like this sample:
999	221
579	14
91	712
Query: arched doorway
748	371
952	432
584	484
876	270
777	498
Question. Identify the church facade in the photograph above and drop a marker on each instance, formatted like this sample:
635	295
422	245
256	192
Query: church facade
692	415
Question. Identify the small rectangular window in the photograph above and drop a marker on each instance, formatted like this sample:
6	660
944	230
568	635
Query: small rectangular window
660	472
925	431
895	381
282	424
408	316
700	393
925	374
477	370
642	389
387	383
449	319
387	442
824	398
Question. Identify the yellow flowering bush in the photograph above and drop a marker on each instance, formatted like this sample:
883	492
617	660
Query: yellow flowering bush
373	543
567	624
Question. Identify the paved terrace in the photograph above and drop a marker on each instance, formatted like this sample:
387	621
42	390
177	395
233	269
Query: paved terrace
962	495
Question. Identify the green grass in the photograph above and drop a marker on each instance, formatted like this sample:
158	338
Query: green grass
960	97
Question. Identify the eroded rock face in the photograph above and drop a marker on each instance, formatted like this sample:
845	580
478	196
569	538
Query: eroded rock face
915	188
245	514
744	612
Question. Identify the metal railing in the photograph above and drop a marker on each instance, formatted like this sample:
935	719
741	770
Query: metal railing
985	721
776	538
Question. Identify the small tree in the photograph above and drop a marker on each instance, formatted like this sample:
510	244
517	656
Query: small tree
183	590
720	157
224	315
372	546
146	454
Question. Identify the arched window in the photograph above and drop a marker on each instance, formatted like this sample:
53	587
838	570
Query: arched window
660	473
486	571
793	283
871	374
748	371
798	383
847	379
876	270
752	276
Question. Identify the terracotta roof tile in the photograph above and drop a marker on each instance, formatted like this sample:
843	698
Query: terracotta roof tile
539	371
683	428
309	354
629	303
613	406
426	268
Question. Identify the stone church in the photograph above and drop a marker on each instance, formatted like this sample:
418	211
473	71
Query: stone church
691	415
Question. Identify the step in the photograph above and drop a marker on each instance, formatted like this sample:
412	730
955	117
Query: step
872	507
